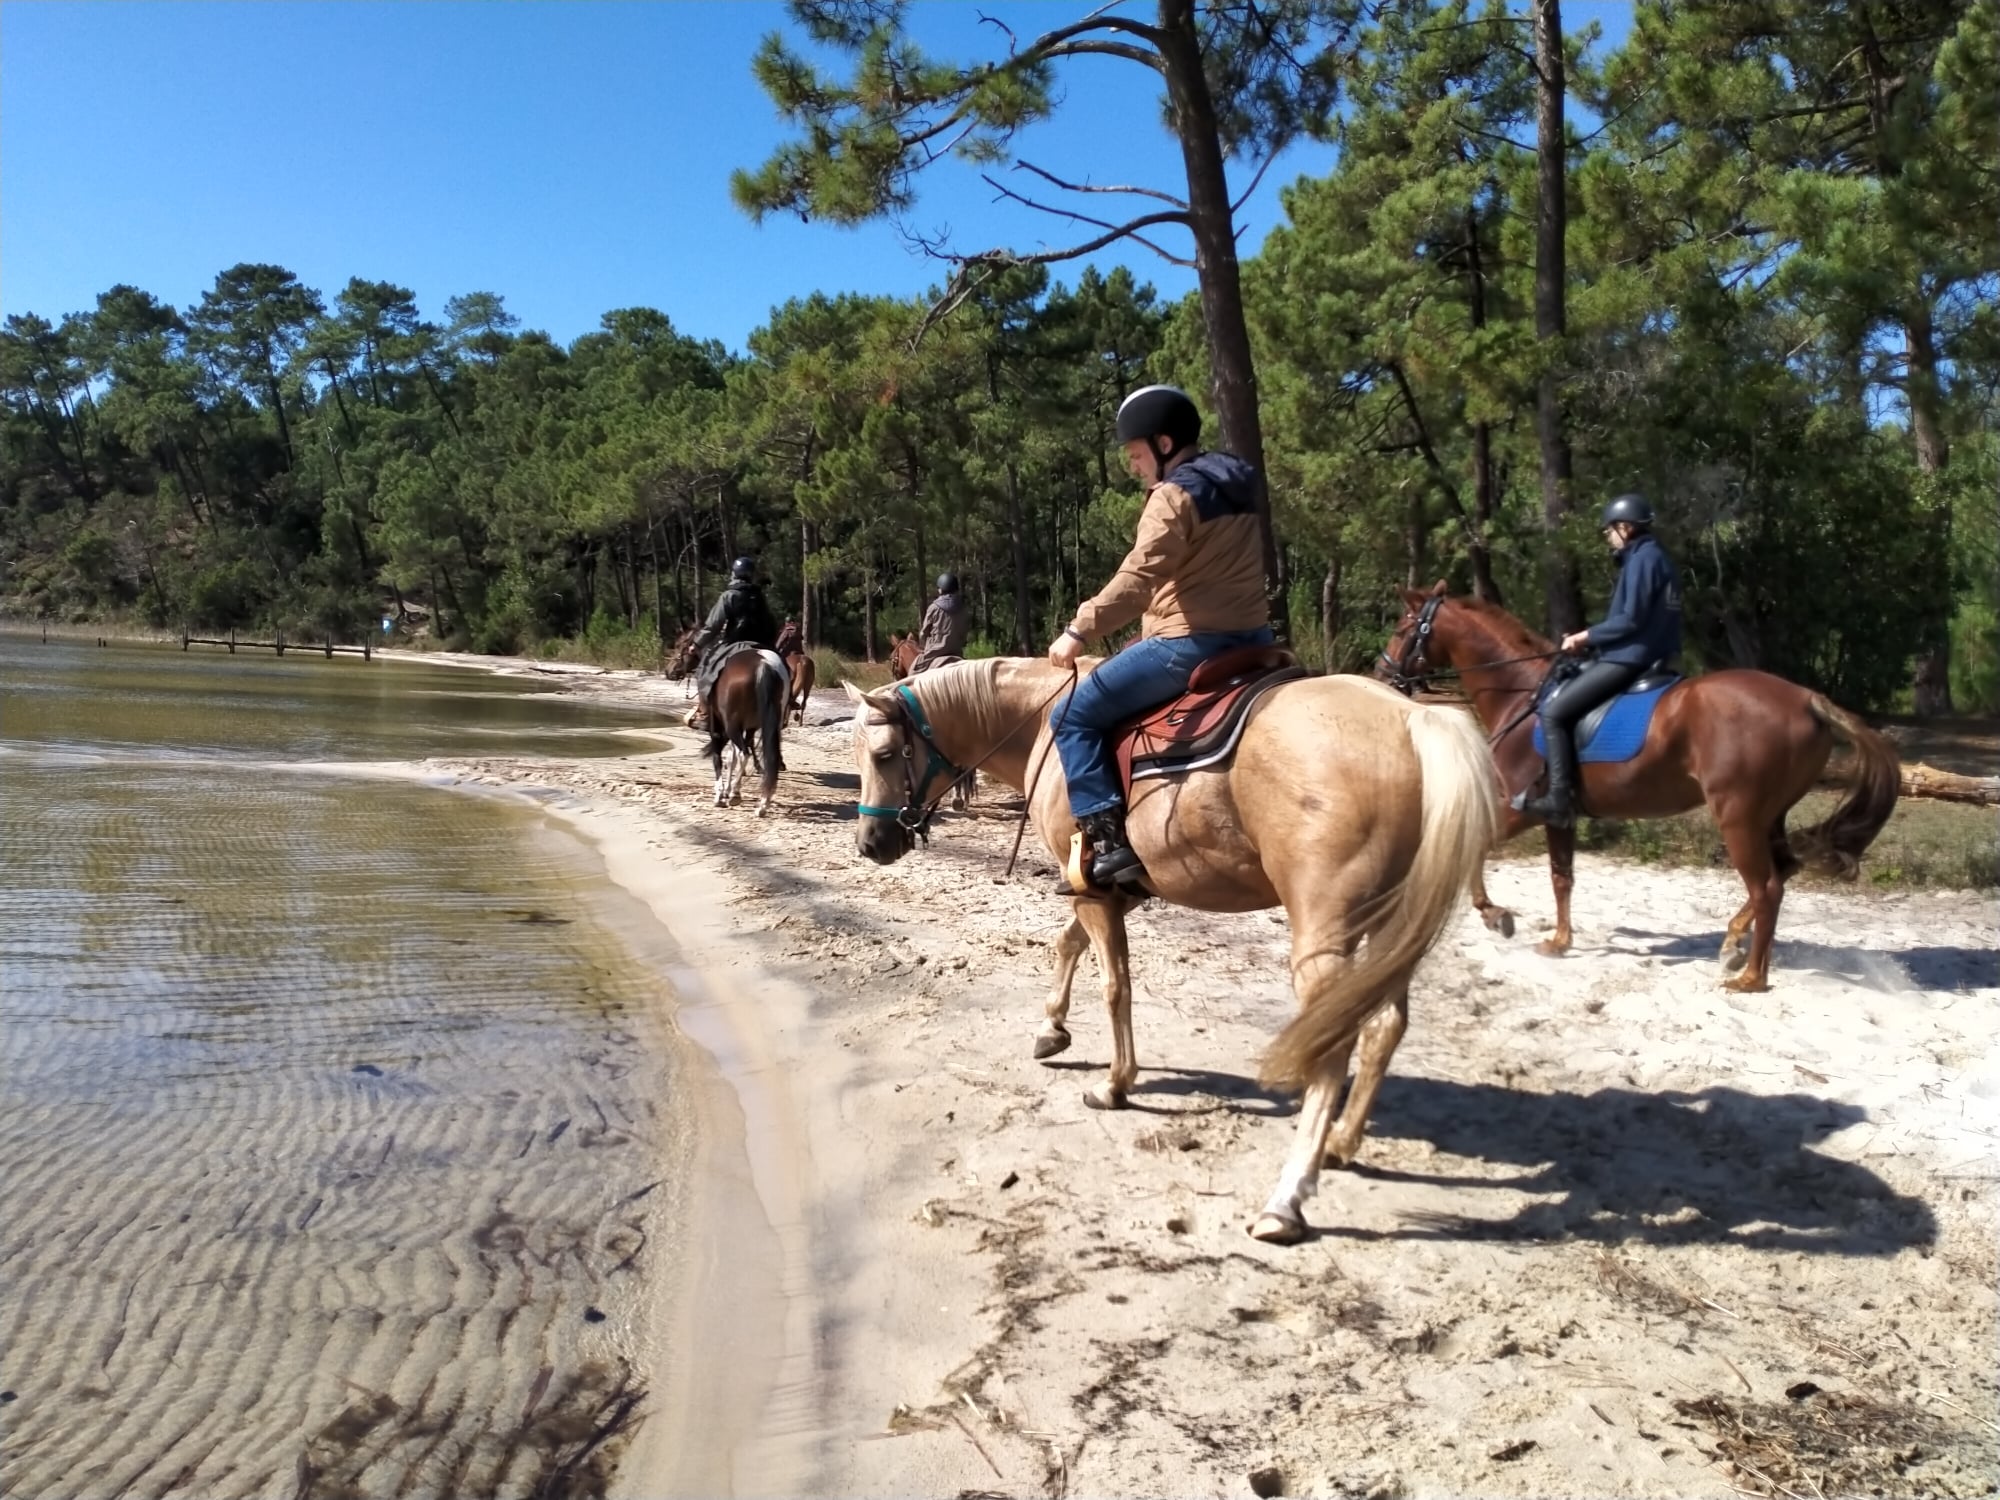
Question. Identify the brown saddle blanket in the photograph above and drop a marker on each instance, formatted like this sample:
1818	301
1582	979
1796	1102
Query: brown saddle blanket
1201	728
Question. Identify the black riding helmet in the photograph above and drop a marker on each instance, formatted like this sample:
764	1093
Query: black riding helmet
743	570
1160	411
1632	509
947	583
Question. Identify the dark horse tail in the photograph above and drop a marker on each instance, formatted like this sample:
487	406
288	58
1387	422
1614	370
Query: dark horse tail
1873	781
773	698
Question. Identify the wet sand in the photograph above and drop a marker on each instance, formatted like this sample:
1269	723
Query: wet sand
344	1132
1608	1220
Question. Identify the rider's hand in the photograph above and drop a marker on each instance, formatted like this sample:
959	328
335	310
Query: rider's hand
1576	640
1064	650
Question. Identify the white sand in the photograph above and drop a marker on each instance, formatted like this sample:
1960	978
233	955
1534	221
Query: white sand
1595	1187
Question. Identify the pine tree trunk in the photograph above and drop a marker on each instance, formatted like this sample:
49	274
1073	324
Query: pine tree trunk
1563	593
1232	367
1017	533
1931	691
1483	586
1329	612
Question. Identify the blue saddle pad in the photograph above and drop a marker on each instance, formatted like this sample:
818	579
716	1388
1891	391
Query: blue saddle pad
1615	731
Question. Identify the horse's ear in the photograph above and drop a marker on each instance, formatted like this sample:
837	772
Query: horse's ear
854	694
1412	597
1438	589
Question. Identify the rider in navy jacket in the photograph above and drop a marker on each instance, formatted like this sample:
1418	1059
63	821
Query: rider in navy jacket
1643	628
1644	624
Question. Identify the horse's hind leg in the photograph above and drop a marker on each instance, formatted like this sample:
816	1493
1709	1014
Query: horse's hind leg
1379	1039
1103	919
1751	852
1054	1035
1283	1220
1784	865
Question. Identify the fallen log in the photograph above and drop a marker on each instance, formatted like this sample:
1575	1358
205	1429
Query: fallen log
1920	780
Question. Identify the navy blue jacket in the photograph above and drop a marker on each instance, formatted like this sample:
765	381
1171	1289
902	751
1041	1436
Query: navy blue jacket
1644	624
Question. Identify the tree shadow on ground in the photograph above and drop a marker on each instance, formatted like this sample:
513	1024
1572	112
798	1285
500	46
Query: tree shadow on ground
1715	1166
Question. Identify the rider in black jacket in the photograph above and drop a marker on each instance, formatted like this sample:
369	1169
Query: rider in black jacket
1642	629
742	613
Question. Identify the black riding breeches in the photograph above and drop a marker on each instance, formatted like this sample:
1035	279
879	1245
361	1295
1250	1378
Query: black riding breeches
1596	683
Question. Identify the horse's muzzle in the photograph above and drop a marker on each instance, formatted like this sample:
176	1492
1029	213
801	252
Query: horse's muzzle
883	840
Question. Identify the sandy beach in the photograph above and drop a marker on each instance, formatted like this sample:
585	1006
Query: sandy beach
1614	1231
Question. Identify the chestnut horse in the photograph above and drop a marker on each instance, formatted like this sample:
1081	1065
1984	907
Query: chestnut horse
903	653
1747	744
804	673
1362	814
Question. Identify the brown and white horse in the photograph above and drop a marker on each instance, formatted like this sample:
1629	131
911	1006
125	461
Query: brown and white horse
746	718
1362	814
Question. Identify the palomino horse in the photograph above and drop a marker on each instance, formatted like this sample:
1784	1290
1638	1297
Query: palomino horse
1362	814
903	654
1747	744
746	718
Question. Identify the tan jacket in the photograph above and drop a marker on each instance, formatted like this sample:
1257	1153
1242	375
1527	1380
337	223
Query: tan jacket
1198	562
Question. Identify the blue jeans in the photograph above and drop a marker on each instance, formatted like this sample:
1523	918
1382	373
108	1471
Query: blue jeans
1144	675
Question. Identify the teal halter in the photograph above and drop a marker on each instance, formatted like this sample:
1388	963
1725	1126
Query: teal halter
914	816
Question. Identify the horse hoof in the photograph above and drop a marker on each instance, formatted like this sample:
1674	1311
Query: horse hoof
1500	920
1276	1229
1550	948
1747	984
1049	1043
1104	1096
1734	956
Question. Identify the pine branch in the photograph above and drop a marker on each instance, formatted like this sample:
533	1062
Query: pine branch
1084	187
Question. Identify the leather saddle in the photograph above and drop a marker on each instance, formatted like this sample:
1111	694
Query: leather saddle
1201	728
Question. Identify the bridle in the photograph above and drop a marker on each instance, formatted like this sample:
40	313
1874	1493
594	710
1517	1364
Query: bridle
914	816
1410	668
1403	673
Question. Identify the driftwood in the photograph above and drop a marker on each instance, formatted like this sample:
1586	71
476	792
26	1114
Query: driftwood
1920	780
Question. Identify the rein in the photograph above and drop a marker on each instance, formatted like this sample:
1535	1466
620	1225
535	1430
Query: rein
1405	676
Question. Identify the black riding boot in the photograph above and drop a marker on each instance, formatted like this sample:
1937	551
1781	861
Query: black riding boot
1112	858
1557	805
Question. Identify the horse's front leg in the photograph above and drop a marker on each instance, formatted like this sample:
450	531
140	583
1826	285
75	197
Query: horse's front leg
1054	1035
1497	918
1562	876
1103	919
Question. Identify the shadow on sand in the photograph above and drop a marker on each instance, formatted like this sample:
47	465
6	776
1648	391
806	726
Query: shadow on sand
1716	1166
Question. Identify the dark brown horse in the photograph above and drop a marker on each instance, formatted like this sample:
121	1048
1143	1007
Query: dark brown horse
1747	744
903	653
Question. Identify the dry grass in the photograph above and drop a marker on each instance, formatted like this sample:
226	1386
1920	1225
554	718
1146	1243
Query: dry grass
1926	845
1823	1443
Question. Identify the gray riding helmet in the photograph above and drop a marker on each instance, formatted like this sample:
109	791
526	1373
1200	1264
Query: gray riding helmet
1630	508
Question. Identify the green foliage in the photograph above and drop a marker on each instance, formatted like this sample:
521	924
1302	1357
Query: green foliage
1759	255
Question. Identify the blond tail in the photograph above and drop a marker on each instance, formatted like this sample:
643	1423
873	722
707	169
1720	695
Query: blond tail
1461	816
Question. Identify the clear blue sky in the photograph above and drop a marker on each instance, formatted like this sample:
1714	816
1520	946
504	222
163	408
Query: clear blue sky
573	158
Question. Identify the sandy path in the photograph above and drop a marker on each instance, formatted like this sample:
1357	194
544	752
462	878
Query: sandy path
1608	1216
